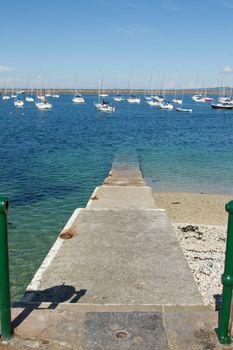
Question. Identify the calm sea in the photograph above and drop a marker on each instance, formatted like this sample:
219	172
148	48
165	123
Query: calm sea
51	161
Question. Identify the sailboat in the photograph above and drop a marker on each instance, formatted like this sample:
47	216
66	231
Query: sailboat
41	101
132	98
101	91
78	98
18	101
118	97
181	109
5	96
177	99
103	106
149	96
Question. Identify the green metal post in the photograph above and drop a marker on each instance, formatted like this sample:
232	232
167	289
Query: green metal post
227	280
5	308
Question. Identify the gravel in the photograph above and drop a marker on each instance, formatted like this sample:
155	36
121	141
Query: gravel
204	248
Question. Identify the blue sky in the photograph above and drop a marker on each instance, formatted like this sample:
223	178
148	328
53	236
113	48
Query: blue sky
190	42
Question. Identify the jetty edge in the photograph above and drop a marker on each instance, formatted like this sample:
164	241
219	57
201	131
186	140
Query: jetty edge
120	280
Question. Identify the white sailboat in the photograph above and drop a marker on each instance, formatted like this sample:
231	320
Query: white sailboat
103	106
166	105
181	109
18	101
78	98
6	96
132	98
42	103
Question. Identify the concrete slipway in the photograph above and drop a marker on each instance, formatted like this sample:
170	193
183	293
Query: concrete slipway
120	280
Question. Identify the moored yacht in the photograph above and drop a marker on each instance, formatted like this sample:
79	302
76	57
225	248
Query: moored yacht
222	105
166	105
18	103
177	100
118	98
104	106
133	99
42	103
154	102
78	98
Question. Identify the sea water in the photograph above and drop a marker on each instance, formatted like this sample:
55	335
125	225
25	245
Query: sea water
51	161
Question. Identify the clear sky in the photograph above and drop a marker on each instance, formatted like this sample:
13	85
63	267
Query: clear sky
187	41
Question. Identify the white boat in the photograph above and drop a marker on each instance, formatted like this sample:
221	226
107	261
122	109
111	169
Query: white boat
13	96
225	100
133	99
43	104
159	98
104	106
6	97
19	103
148	98
78	98
180	109
177	100
118	98
166	105
103	95
56	96
154	102
201	98
220	105
29	99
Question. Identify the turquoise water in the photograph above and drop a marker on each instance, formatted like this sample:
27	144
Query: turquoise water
51	161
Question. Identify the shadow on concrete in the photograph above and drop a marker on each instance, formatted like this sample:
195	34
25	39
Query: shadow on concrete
33	300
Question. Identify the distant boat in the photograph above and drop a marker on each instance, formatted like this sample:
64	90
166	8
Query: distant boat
166	105
154	102
42	103
133	99
225	100
105	107
180	109
55	95
18	103
118	98
201	98
220	105
6	97
177	100
78	98
29	98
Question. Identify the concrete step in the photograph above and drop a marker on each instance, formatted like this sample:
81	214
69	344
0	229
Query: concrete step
117	197
82	327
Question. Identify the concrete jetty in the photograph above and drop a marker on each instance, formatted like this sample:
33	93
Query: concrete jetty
116	278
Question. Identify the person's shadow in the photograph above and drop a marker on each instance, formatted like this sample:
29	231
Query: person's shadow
32	300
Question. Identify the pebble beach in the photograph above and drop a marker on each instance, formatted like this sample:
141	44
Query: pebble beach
200	223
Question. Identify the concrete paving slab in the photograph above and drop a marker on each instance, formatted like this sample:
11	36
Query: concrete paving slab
192	330
56	326
121	257
113	197
123	331
125	176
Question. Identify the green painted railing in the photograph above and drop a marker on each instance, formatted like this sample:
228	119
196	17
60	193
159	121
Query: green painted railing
223	331
5	307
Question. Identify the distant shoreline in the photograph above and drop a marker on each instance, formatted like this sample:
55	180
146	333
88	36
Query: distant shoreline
126	92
